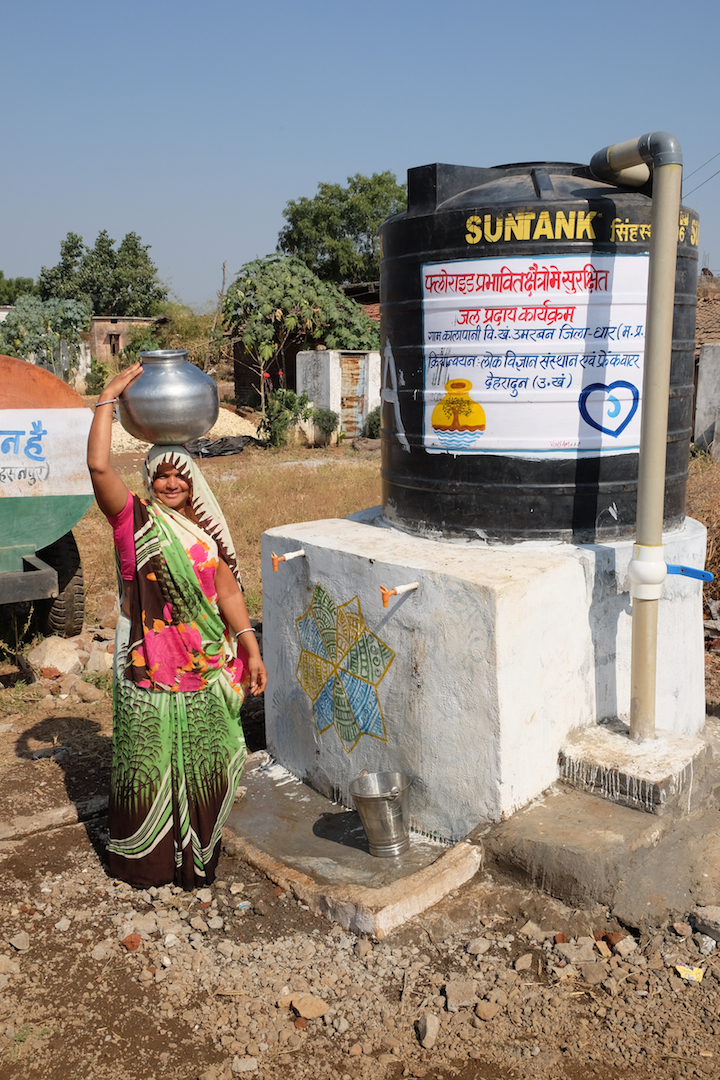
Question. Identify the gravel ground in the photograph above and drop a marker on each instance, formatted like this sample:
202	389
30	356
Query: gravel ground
228	423
101	981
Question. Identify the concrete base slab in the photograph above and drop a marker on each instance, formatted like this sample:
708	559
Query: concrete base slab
579	848
654	775
317	851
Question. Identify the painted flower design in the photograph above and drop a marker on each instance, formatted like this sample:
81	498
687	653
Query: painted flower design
341	665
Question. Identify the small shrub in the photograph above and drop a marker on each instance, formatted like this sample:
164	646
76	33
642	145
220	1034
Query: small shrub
325	420
96	377
141	338
284	409
372	424
103	680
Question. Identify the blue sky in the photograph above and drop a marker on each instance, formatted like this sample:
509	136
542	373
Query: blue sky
193	124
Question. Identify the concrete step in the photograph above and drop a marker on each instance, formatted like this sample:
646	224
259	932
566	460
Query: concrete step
669	773
579	848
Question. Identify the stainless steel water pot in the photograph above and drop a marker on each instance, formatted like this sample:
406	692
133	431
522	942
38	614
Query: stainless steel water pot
172	402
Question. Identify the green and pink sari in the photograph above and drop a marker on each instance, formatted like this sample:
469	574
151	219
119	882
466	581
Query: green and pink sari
179	683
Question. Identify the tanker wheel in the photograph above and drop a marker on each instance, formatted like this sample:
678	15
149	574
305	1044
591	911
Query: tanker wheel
63	615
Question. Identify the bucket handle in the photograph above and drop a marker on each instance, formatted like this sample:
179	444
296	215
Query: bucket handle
393	793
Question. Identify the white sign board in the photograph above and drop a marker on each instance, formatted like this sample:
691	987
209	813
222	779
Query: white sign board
534	357
43	451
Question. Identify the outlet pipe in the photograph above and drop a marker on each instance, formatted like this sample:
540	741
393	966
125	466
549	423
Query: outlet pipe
277	559
627	163
397	591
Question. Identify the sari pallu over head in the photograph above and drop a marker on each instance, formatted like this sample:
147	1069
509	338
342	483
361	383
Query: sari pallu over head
178	638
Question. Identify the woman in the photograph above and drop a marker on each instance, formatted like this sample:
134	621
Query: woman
184	653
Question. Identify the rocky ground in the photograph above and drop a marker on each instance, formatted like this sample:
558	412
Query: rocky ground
102	982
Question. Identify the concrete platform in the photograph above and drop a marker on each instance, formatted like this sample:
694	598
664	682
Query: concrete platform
656	775
317	851
645	869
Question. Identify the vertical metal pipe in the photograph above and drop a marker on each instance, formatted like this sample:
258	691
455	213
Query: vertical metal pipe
667	181
643	671
647	570
658	352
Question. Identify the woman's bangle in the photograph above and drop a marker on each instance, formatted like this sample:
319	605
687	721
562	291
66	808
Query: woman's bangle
247	630
109	401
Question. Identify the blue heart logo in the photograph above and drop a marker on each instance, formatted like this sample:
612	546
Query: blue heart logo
615	405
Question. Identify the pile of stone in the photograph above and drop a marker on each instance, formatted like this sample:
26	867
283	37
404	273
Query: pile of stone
61	665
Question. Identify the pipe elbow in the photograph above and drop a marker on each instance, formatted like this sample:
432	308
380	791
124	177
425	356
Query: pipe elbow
660	148
627	162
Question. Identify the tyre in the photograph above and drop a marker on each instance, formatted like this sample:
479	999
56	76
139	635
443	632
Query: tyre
63	615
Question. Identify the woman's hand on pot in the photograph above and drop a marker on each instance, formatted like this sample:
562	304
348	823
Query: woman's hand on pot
120	382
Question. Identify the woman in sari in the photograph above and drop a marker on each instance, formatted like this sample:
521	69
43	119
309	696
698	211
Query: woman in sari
185	653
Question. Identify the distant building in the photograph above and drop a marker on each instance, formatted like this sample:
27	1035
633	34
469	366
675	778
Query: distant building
110	334
707	316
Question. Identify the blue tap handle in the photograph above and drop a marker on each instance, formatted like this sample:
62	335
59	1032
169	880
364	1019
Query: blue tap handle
689	571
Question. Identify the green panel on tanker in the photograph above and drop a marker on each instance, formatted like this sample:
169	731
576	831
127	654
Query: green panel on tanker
27	525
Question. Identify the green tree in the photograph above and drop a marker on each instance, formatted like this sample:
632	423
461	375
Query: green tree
276	301
112	282
46	331
336	232
12	288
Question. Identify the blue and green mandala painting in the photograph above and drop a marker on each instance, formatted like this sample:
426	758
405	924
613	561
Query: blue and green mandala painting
340	667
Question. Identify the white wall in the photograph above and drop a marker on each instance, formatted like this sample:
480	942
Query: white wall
499	653
319	375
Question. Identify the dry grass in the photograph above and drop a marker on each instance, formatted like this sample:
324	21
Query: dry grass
703	504
258	490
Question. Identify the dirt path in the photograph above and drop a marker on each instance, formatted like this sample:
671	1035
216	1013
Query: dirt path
102	982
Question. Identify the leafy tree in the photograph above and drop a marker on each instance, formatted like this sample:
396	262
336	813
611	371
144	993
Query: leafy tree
112	282
12	288
48	331
336	232
276	301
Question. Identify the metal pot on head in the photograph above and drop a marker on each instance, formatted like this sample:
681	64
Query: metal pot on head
172	402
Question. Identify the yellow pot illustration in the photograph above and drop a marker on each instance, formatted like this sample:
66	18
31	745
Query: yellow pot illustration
457	411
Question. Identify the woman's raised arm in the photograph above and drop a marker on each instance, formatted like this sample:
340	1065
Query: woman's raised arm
110	490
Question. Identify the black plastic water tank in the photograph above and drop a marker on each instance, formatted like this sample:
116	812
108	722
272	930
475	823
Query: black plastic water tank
512	336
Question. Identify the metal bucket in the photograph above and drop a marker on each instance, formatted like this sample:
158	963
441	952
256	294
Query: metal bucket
382	803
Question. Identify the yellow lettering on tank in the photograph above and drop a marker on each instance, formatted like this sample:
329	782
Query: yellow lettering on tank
474	229
564	226
544	227
694	232
519	226
493	235
585	225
